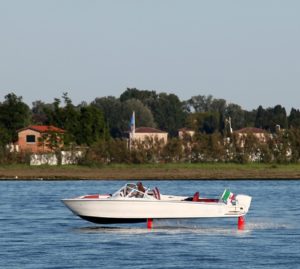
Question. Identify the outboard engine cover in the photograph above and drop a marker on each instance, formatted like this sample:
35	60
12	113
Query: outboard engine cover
243	202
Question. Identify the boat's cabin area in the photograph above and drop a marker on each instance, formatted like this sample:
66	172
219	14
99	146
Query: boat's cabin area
138	190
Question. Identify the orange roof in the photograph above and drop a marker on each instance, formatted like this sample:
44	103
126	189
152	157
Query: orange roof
43	128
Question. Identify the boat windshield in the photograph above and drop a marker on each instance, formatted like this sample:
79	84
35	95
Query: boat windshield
132	190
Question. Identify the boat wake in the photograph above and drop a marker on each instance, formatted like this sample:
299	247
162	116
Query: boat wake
185	226
266	225
160	231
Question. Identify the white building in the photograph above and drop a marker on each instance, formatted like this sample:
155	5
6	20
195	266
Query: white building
143	134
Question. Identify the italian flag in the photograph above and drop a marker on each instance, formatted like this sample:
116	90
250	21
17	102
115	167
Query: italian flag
227	196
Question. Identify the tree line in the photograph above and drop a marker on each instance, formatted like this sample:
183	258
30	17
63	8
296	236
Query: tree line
100	125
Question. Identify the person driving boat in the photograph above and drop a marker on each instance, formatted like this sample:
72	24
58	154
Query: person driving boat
140	187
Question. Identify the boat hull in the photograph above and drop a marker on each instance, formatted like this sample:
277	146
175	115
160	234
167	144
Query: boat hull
111	220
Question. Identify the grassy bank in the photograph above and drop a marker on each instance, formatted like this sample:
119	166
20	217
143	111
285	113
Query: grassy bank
153	171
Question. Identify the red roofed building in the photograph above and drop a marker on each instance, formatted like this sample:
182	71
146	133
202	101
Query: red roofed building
36	138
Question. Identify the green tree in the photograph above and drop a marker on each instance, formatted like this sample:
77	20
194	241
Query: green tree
199	148
236	113
210	147
249	118
199	103
113	110
167	109
118	151
54	114
65	117
143	95
143	115
261	118
51	140
294	118
279	117
216	148
91	126
205	122
294	144
83	124
4	138
251	149
281	147
39	112
202	103
14	115
173	151
70	117
106	152
168	113
271	117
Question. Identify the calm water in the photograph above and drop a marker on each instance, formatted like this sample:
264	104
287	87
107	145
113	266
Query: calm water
38	231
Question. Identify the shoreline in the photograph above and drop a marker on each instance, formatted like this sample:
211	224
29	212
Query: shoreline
152	172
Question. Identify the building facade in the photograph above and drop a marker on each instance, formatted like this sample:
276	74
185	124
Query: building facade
37	138
144	134
261	135
185	132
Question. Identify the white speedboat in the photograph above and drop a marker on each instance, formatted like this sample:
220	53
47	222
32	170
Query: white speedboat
136	203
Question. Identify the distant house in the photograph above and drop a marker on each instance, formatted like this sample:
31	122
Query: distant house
142	134
260	134
184	132
36	138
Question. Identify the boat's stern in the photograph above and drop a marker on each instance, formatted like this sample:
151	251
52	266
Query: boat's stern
244	202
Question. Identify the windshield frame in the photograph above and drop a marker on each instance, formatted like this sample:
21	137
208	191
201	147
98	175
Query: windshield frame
130	190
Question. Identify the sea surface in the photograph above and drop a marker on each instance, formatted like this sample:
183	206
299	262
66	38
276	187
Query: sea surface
38	231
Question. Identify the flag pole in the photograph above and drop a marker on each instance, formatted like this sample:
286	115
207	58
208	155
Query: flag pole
132	129
133	122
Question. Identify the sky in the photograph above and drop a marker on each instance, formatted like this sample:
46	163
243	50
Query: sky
246	52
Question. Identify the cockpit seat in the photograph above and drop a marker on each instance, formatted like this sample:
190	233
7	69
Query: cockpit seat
196	197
